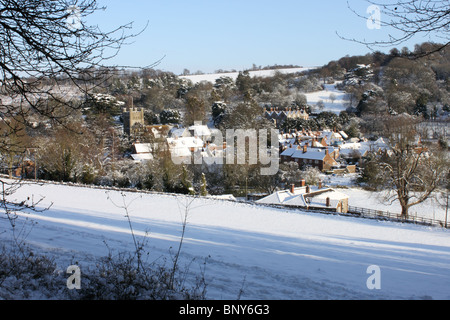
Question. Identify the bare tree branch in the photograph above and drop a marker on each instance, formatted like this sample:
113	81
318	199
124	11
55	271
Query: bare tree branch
410	18
50	60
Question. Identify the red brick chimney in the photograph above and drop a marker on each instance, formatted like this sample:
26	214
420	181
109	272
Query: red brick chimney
328	202
320	184
305	148
303	183
308	189
292	188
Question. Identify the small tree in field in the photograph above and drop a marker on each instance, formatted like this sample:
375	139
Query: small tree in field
332	97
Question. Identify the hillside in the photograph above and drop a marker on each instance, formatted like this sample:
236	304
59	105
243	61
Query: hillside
211	77
268	253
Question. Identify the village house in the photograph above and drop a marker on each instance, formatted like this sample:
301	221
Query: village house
182	148
333	138
320	158
193	150
157	131
296	137
309	197
319	139
353	152
142	152
278	117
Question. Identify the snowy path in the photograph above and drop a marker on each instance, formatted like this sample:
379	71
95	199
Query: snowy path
271	253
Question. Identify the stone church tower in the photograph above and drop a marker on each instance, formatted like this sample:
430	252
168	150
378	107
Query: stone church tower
133	119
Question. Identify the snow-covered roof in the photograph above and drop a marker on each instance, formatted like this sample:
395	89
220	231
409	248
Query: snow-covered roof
343	135
200	130
288	152
281	197
331	135
177	132
143	147
312	154
158	131
182	148
185	142
363	147
142	157
316	144
315	198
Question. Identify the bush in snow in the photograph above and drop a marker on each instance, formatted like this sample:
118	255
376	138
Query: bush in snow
121	277
25	275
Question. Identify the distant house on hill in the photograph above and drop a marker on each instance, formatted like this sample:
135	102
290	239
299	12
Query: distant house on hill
309	197
278	117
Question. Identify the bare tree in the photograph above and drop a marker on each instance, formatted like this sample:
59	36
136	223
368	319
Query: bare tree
409	170
332	97
410	18
444	197
48	52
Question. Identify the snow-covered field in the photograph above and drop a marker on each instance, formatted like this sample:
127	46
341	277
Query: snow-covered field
269	253
337	105
211	77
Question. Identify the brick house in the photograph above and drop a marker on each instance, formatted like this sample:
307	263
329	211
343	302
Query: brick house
320	158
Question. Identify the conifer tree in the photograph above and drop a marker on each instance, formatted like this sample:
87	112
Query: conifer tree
203	190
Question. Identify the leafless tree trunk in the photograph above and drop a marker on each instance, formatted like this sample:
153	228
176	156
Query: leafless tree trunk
410	169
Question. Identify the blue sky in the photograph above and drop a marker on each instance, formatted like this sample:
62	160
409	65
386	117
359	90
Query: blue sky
207	35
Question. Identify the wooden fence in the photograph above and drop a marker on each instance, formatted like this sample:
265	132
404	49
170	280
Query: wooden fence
386	215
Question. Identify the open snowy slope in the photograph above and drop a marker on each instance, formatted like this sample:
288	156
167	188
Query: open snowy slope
270	253
337	105
211	77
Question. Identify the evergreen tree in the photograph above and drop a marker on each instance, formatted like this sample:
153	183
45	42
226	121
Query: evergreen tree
203	190
169	117
186	182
